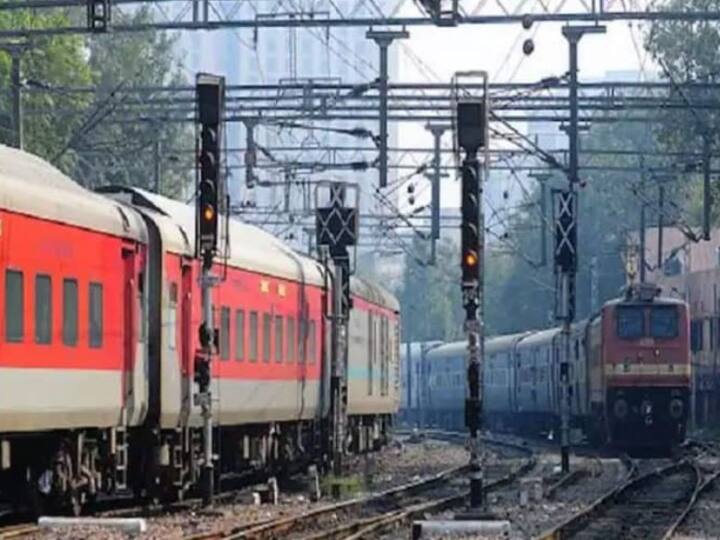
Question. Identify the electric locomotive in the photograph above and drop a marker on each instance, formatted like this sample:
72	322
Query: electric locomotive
639	358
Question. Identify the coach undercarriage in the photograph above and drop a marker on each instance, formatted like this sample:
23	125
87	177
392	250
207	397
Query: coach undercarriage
65	471
62	471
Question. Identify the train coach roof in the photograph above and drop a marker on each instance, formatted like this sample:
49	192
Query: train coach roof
495	344
374	293
532	339
448	350
251	248
416	347
30	185
492	345
655	301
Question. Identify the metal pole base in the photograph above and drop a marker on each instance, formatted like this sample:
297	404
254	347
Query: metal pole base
565	459
477	495
207	483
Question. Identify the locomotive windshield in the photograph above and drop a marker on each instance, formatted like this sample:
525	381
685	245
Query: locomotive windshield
630	322
664	322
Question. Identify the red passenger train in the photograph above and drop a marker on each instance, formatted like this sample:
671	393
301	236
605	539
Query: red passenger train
99	317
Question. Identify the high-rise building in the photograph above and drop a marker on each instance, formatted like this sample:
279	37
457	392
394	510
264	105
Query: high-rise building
288	56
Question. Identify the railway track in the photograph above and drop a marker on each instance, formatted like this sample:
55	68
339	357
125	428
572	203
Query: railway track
648	506
327	515
361	517
18	530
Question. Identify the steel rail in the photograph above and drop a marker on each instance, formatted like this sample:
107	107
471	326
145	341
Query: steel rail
18	530
584	518
270	528
360	530
282	526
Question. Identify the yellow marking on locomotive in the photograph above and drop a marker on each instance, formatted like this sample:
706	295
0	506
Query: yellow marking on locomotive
281	289
647	369
264	286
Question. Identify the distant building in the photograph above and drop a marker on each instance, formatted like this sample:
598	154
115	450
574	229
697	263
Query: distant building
292	56
689	270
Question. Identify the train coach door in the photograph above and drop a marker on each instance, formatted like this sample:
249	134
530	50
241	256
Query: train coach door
129	284
186	341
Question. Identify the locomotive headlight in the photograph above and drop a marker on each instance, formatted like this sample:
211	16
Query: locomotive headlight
676	408
620	409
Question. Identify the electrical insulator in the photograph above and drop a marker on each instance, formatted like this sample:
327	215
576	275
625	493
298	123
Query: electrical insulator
528	47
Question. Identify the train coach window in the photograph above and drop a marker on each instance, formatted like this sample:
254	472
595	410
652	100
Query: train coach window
630	322
267	336
14	308
239	334
291	340
95	315
311	345
279	337
253	354
664	322
70	312
43	309
696	335
225	333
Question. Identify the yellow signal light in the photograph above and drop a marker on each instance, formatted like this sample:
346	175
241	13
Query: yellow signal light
471	258
208	213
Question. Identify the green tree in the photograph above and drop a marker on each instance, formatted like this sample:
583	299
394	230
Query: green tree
609	209
689	51
47	64
429	295
119	152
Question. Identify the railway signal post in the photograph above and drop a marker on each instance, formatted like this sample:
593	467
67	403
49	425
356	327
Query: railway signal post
472	136
210	90
566	238
336	230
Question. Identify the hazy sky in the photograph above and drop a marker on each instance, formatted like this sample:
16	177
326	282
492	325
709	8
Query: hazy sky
498	50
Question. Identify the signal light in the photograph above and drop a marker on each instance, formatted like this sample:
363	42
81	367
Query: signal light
470	227
471	258
210	104
202	372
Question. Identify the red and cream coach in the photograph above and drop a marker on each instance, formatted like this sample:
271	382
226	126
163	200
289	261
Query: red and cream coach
99	315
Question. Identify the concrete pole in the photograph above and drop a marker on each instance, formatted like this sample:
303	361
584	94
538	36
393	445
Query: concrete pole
157	153
409	379
594	292
707	196
572	34
542	178
642	220
384	38
437	133
250	152
661	209
16	90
